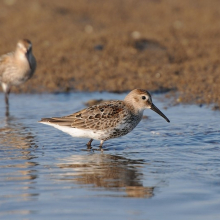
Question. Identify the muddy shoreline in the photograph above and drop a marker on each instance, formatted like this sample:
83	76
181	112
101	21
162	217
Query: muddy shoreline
117	46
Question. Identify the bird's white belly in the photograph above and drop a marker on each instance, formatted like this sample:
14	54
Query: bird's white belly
82	133
16	75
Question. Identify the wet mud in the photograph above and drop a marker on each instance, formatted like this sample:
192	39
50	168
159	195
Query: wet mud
118	45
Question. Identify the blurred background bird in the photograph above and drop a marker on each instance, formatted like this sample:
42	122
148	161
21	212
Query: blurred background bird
16	68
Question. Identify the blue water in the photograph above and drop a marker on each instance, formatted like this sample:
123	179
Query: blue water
159	171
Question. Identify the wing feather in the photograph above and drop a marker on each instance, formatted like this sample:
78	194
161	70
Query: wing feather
102	116
4	61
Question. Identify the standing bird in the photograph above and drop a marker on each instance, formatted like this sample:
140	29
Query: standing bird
16	67
107	120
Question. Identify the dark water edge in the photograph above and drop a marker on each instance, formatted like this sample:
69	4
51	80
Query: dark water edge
158	171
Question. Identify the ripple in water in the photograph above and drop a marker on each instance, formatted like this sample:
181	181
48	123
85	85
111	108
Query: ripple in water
159	171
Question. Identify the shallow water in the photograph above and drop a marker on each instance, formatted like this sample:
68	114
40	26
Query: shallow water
159	171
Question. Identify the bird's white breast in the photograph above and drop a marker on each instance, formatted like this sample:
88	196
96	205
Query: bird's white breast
82	133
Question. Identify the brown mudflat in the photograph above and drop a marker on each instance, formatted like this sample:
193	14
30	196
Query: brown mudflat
119	45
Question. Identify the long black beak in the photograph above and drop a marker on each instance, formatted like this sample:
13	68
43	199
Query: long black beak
28	55
154	108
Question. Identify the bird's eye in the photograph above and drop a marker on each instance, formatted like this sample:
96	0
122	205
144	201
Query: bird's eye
143	97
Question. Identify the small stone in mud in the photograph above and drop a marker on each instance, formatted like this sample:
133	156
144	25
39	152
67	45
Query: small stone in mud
145	44
99	47
136	34
88	29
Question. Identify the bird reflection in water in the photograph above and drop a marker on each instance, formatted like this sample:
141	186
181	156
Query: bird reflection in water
16	135
114	173
16	160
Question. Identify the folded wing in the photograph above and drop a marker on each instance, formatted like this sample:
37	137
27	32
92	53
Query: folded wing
99	117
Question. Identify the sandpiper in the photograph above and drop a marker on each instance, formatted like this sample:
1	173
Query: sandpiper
16	67
107	120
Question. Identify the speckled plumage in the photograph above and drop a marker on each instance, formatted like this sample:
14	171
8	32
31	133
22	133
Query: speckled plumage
107	120
17	67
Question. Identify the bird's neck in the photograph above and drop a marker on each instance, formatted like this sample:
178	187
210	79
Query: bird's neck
21	60
133	110
20	55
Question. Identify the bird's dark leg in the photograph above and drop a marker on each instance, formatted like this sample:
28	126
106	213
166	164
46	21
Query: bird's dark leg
6	90
89	144
6	98
7	102
7	111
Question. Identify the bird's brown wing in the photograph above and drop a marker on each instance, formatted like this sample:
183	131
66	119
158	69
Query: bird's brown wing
99	117
4	63
2	66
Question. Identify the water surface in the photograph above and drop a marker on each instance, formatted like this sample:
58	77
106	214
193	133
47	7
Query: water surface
159	171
